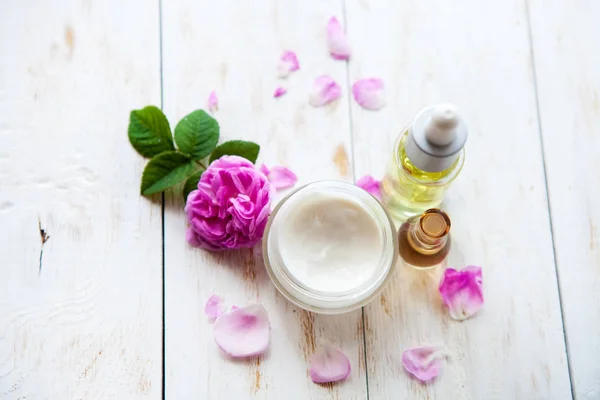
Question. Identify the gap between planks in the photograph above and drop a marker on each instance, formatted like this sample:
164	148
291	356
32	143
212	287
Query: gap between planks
353	158
547	190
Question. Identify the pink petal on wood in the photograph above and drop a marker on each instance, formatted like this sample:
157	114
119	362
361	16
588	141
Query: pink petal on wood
424	363
371	185
214	307
462	291
288	63
244	332
279	91
279	177
369	93
338	44
329	364
325	90
213	102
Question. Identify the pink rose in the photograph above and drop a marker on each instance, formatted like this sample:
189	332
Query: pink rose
231	206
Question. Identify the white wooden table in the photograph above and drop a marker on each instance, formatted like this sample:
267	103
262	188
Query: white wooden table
111	306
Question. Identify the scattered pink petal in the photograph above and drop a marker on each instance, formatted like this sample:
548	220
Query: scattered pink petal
213	102
325	90
462	291
371	185
425	363
279	177
234	307
369	93
339	47
244	332
280	91
329	364
214	307
288	63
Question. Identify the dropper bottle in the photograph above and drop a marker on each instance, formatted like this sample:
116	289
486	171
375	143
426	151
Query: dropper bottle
424	240
427	157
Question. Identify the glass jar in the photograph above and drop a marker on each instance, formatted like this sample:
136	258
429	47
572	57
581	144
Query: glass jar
325	299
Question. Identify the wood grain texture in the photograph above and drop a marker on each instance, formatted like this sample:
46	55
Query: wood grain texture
476	55
233	48
567	58
80	279
83	319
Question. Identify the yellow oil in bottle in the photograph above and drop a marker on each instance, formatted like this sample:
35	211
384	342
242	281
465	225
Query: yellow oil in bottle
408	190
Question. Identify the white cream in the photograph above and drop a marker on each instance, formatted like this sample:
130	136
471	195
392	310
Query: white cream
330	242
329	247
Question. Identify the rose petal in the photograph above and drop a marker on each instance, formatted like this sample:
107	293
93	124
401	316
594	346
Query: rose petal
339	47
213	102
279	91
462	291
288	63
234	307
243	332
425	363
371	185
214	307
265	170
279	177
325	90
282	177
369	93
329	364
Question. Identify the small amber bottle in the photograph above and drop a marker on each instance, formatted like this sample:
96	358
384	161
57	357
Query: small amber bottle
424	239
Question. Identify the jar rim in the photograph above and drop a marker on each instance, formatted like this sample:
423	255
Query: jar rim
334	302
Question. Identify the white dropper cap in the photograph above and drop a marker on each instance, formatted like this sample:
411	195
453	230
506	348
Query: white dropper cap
435	138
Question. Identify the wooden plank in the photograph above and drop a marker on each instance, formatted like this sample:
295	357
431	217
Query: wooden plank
83	319
476	55
233	48
567	58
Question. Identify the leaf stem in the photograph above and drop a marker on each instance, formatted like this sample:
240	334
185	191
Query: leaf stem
201	164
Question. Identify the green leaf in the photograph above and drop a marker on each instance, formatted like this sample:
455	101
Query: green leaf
197	134
191	184
165	170
248	150
149	132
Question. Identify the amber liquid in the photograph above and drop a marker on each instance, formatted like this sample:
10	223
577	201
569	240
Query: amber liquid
413	257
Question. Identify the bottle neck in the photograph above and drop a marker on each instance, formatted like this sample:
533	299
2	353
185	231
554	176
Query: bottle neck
428	233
